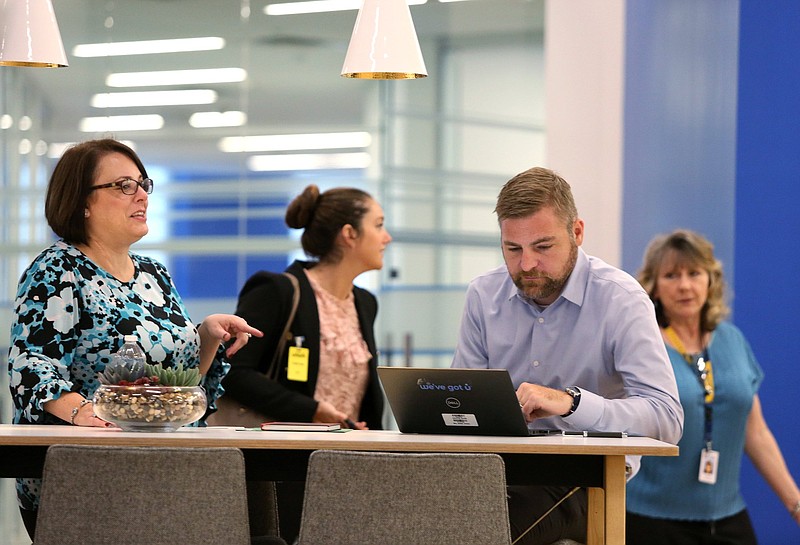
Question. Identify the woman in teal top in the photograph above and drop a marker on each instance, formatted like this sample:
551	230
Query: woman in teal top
694	498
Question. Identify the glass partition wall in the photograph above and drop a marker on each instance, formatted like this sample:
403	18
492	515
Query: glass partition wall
438	149
437	152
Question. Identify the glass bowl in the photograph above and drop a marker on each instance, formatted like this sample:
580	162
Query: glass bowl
150	408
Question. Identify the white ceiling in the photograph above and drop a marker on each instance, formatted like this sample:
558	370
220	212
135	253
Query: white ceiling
293	64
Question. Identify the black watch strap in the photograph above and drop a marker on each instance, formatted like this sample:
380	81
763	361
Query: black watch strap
575	392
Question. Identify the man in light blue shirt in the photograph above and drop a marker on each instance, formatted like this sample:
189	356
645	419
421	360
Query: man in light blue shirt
578	336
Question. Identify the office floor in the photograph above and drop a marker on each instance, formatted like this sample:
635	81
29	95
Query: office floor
11	529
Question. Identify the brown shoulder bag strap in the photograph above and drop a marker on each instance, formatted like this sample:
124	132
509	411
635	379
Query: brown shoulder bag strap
274	368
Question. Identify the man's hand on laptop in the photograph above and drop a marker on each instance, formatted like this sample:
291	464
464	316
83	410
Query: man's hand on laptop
538	401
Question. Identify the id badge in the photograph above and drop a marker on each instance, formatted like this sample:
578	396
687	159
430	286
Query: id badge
297	369
709	461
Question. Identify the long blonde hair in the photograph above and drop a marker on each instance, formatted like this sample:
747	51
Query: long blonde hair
690	249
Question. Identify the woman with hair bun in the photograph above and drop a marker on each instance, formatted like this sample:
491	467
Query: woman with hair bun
335	378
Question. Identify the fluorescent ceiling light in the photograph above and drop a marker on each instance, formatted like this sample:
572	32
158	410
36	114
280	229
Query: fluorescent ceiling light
313	6
154	98
57	149
217	119
319	6
121	123
176	77
288	142
304	161
148	47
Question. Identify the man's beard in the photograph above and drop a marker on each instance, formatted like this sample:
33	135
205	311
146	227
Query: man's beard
546	285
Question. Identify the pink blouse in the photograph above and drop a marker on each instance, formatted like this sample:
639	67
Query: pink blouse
343	372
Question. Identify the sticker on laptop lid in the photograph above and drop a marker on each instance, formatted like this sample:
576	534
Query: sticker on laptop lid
460	420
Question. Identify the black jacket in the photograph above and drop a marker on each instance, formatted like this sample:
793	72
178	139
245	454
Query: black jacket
265	302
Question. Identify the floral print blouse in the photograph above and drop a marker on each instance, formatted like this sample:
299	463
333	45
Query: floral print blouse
344	356
69	318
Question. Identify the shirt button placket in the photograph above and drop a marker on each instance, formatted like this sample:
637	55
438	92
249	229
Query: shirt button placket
536	363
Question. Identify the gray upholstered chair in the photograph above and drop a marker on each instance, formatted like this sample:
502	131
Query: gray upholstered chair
356	498
142	495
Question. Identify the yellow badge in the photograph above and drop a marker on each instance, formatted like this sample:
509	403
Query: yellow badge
298	364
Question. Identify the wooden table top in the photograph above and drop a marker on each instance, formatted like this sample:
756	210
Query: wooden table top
369	440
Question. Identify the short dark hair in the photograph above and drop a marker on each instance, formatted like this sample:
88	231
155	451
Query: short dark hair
530	191
71	182
322	216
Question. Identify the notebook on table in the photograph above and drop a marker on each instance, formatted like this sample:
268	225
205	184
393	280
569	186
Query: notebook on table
453	401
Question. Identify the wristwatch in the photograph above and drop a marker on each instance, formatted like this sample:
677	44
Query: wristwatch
575	392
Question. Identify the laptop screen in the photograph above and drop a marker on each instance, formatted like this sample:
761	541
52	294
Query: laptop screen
453	401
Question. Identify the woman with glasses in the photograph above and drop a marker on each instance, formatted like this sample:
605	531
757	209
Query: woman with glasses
694	498
82	294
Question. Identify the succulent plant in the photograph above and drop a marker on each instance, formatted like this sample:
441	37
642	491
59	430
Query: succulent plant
173	376
137	374
119	371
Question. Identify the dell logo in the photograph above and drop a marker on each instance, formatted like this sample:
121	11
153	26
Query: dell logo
452	402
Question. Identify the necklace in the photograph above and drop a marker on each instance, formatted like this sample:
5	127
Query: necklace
701	363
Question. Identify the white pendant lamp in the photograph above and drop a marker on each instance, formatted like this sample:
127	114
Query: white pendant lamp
29	35
384	43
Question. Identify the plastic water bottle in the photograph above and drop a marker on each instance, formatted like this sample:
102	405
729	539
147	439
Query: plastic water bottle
131	355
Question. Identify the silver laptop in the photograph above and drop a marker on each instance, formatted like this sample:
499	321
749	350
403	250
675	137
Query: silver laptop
453	401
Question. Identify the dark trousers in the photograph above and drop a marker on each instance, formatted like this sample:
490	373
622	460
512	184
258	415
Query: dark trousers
262	511
29	520
290	508
526	504
734	530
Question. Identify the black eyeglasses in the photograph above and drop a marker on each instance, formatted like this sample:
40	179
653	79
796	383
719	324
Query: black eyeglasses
129	186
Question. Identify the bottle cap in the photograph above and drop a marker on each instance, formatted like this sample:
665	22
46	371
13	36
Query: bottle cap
130	338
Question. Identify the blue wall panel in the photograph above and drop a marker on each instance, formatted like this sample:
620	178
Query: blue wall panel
712	142
217	276
679	123
208	276
767	235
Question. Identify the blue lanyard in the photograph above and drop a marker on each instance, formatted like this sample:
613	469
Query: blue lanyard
708	386
701	365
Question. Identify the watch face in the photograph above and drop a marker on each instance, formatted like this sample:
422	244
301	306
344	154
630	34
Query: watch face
576	398
574	392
